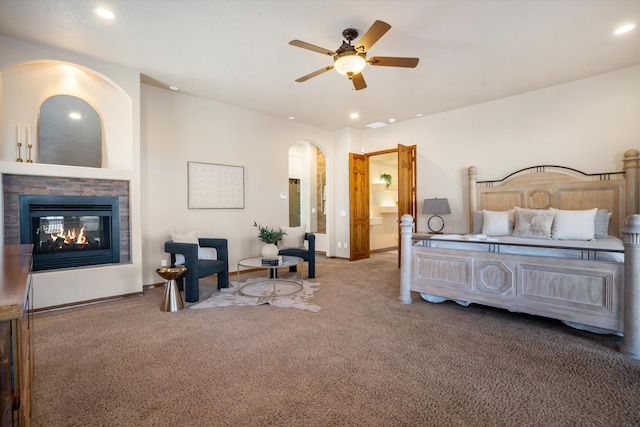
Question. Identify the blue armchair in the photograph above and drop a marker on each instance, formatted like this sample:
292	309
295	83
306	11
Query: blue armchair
199	268
308	254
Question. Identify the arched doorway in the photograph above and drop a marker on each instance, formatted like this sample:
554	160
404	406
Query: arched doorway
307	187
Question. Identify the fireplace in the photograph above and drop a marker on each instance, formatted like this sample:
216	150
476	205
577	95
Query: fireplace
70	231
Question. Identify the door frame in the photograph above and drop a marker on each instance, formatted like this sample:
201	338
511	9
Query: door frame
406	175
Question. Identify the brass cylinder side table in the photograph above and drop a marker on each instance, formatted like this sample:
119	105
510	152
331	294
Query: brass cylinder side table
172	300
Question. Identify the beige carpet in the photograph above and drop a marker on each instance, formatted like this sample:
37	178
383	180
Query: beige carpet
363	360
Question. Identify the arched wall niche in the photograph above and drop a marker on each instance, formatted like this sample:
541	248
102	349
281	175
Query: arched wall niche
27	85
69	132
308	186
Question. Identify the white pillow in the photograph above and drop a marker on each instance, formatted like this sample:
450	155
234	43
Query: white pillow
574	224
191	237
533	223
497	223
207	253
188	237
294	237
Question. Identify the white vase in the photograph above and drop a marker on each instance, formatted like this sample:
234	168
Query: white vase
269	250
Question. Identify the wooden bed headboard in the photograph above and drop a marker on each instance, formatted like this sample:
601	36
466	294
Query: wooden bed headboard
548	186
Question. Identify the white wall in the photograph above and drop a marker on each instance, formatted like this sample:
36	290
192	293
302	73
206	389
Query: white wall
347	141
586	124
178	128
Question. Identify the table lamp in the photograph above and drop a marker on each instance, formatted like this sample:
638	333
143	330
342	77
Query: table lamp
436	207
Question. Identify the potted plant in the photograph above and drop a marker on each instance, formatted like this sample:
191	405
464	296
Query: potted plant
269	236
386	178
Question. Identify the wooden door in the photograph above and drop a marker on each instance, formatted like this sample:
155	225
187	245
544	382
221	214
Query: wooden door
359	206
406	187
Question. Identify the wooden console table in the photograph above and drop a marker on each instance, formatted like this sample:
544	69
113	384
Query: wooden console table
16	358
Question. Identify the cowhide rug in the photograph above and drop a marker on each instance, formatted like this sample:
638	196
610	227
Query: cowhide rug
230	296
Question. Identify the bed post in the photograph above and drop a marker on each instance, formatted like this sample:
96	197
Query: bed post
406	227
631	163
473	194
631	325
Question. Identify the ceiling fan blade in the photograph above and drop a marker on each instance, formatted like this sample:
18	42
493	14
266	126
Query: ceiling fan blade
312	47
315	73
358	81
390	61
373	34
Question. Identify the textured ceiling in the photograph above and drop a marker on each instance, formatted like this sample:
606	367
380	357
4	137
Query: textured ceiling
237	52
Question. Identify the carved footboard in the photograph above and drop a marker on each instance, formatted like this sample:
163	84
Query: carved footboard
586	292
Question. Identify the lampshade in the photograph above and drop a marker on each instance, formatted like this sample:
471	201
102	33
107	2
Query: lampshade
350	64
436	206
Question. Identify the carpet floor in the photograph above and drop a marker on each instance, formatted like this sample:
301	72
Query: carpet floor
363	360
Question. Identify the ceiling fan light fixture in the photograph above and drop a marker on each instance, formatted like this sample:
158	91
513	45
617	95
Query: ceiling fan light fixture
624	29
104	13
350	65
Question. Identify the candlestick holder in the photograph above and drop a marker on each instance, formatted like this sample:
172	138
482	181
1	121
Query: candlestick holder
19	159
29	146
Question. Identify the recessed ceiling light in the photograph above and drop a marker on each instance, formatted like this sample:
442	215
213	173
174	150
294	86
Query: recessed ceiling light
419	115
375	125
75	116
354	115
291	118
392	120
174	87
104	13
624	29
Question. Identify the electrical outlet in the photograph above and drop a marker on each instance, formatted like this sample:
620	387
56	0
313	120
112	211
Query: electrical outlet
163	263
339	245
345	245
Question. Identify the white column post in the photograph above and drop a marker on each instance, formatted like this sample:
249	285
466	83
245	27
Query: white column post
406	229
473	194
631	237
631	163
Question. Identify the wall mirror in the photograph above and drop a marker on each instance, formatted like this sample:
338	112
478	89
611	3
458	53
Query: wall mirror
69	132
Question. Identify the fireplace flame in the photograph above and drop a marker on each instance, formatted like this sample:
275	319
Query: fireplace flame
70	237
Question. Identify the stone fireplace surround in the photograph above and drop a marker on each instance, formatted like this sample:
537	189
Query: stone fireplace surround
16	185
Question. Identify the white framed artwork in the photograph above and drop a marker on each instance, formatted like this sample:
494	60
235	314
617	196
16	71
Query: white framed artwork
213	186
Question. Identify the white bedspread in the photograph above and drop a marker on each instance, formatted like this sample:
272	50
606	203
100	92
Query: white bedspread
610	249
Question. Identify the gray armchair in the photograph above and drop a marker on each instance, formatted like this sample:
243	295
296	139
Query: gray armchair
199	268
308	254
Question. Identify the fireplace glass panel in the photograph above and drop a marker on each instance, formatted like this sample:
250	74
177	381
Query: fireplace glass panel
70	233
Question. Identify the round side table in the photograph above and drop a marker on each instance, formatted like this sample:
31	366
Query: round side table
172	300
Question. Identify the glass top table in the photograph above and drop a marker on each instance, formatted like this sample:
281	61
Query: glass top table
272	286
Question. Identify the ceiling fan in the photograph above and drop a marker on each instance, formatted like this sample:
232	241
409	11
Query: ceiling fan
350	60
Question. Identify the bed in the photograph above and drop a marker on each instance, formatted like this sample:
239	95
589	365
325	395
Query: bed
580	282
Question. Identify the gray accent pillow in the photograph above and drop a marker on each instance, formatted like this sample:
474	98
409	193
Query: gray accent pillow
533	223
602	224
478	220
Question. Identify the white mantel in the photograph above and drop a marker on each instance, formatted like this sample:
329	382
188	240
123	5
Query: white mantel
40	169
